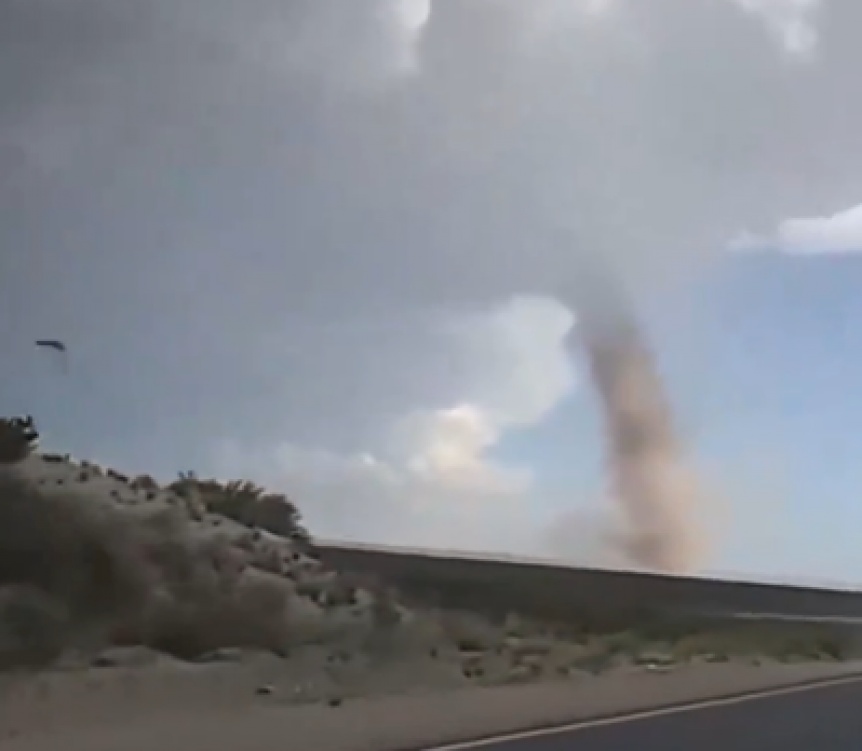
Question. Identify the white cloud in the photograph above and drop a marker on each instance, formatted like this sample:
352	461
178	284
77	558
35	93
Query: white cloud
411	15
520	367
349	45
791	22
835	233
380	41
448	448
435	480
405	21
838	233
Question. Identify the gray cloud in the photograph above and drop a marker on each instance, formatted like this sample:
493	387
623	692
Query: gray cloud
249	219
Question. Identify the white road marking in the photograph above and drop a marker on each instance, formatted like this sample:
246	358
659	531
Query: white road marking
643	715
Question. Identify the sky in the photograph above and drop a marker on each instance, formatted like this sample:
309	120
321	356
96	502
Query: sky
327	245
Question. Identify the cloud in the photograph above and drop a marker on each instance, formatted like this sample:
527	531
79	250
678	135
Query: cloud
436	481
791	22
328	229
362	48
840	232
382	43
410	18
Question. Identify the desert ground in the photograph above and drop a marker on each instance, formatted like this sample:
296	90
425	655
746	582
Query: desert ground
134	613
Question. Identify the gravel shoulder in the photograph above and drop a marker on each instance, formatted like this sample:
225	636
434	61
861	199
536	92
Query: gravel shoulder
212	708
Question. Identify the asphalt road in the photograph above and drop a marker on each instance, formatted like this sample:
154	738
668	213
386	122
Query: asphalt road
827	718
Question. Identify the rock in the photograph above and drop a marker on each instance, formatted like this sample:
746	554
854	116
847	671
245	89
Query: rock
338	656
655	668
472	663
225	654
519	674
129	657
594	664
469	631
536	663
523	646
654	659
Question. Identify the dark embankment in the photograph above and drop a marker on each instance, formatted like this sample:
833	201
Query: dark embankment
559	592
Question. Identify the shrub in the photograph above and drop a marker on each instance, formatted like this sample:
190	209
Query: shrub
247	503
18	439
88	570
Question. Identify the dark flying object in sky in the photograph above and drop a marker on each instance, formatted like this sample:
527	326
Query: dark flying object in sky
53	343
57	345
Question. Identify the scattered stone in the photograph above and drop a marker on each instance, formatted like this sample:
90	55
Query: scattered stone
519	674
224	654
658	668
523	646
593	664
128	657
716	657
654	659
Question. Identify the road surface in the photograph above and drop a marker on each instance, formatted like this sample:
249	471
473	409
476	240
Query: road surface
827	718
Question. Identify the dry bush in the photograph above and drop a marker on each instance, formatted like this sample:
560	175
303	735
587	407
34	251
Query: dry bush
90	570
470	632
781	640
17	440
197	603
34	627
69	549
204	618
247	503
65	567
277	514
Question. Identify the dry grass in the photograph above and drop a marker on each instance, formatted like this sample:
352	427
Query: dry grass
777	640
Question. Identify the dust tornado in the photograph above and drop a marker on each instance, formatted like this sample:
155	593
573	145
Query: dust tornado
649	476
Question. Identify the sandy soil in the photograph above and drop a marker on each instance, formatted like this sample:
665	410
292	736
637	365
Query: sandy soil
250	706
